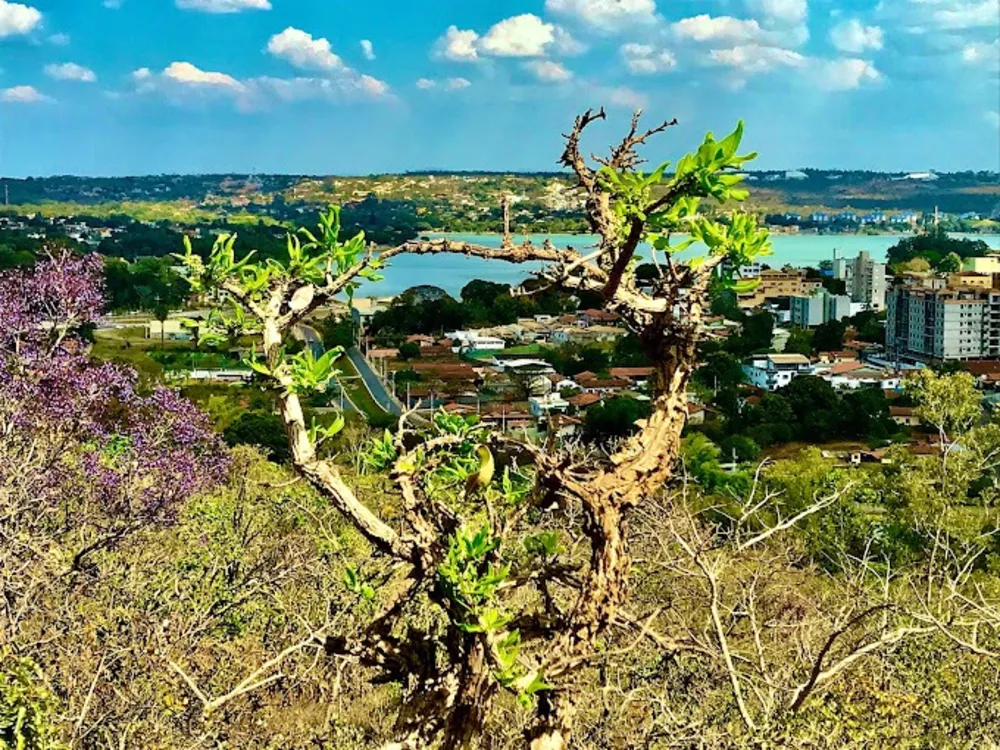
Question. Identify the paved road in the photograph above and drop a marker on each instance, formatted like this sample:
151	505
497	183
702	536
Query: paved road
378	391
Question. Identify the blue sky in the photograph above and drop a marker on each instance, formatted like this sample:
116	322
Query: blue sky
111	87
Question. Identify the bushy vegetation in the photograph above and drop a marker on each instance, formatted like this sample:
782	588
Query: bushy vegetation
444	585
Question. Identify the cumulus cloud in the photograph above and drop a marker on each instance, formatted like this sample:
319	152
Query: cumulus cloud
706	28
853	36
181	82
60	40
548	71
751	59
605	15
24	95
457	45
367	49
70	72
645	59
525	35
781	11
222	6
303	51
845	74
16	19
189	75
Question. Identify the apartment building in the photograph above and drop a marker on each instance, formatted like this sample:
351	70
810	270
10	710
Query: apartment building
929	322
775	284
864	278
818	308
989	264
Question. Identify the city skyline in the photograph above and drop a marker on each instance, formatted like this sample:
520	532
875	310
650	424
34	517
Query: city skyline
118	87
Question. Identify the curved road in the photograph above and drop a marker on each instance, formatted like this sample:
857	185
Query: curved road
375	386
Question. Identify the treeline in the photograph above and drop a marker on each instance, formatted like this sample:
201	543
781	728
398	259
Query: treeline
940	251
431	311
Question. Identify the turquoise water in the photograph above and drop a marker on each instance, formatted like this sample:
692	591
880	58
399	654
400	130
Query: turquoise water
452	272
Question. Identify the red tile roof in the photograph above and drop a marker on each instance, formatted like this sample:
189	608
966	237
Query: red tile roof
583	400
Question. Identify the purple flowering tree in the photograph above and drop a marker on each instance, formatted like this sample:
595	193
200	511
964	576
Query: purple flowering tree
87	457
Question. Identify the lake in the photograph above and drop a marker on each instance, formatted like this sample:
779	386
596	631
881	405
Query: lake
452	272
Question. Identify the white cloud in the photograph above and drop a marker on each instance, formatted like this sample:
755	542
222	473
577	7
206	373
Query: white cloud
782	11
182	82
993	118
450	84
845	74
187	74
303	51
367	49
752	59
626	97
853	36
373	87
16	18
222	6
705	28
985	54
948	15
645	59
60	40
24	95
340	89
605	15
70	72
548	71
525	35
457	45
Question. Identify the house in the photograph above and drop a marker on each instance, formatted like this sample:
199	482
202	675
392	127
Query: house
637	376
507	416
904	415
591	383
476	341
565	427
597	317
836	358
770	372
696	413
590	334
561	383
858	458
582	400
171	330
542	406
853	375
419	338
523	366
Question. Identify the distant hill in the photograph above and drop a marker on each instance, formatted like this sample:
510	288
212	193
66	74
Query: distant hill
470	200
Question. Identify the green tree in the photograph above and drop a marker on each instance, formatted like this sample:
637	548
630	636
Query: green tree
800	341
262	429
829	336
409	350
615	417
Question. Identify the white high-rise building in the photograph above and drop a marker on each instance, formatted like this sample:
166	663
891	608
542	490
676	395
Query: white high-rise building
864	279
